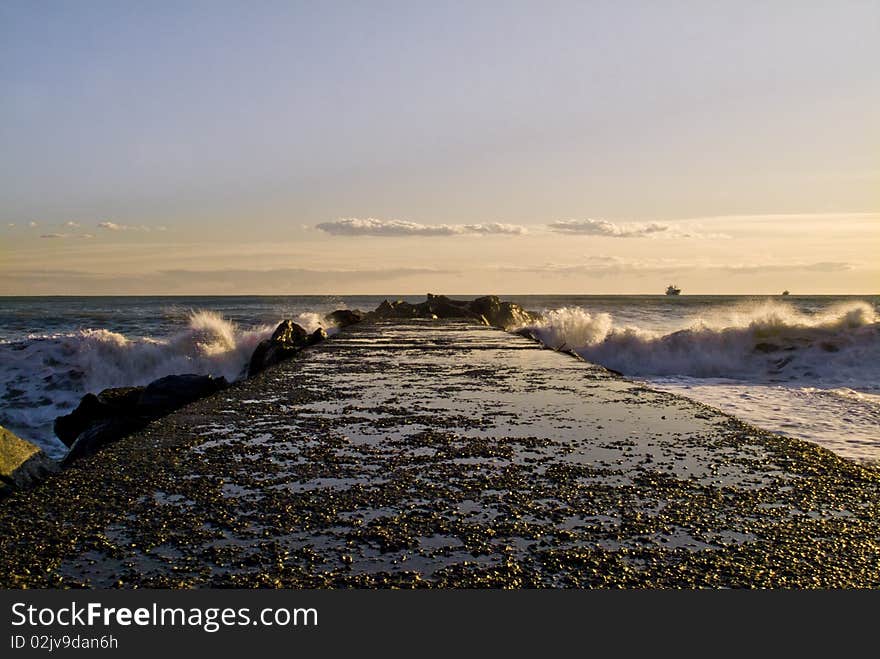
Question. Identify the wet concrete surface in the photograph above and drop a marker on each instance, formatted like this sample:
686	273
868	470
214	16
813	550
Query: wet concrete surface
448	455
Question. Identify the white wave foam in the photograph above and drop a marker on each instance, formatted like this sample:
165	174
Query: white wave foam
767	342
46	376
840	419
310	321
811	376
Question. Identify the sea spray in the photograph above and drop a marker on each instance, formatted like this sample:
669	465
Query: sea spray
46	376
814	376
766	342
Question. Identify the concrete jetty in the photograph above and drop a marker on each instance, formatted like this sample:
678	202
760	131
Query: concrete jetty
426	453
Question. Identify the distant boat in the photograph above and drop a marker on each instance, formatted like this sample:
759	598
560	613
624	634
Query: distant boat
673	290
785	293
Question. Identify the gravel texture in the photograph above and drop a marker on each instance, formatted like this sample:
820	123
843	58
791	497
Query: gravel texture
446	454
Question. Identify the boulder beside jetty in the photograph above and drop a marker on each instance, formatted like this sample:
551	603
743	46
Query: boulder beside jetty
108	416
344	317
21	463
488	310
286	342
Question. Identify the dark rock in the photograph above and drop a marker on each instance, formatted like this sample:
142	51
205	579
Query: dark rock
441	306
398	309
102	433
384	310
121	401
289	333
344	317
173	391
487	310
286	342
502	314
387	310
21	463
316	337
114	413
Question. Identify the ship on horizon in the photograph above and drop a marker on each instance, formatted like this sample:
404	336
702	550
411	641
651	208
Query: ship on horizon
673	290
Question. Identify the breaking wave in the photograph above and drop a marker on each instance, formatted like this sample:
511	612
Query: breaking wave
45	376
769	342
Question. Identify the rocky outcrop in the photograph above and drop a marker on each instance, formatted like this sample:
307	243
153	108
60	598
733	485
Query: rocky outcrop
166	394
440	306
286	342
102	433
344	317
488	310
92	408
108	416
397	309
502	314
21	463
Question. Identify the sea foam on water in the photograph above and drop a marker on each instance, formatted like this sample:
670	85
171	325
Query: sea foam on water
812	376
764	342
46	376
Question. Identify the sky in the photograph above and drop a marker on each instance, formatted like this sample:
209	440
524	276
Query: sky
730	147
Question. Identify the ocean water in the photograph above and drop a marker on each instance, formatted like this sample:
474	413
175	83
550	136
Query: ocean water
807	367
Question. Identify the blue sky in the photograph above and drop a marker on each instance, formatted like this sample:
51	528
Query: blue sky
198	136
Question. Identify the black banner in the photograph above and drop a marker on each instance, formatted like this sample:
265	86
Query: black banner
140	623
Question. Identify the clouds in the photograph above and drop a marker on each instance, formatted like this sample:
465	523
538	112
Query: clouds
600	228
400	228
66	235
73	229
601	266
607	229
598	266
278	281
113	226
494	228
820	266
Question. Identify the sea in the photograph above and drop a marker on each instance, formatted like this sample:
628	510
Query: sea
802	366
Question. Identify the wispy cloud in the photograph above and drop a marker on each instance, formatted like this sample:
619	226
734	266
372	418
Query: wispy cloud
821	266
787	218
400	228
72	225
33	224
605	228
597	266
67	235
113	226
273	281
600	266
